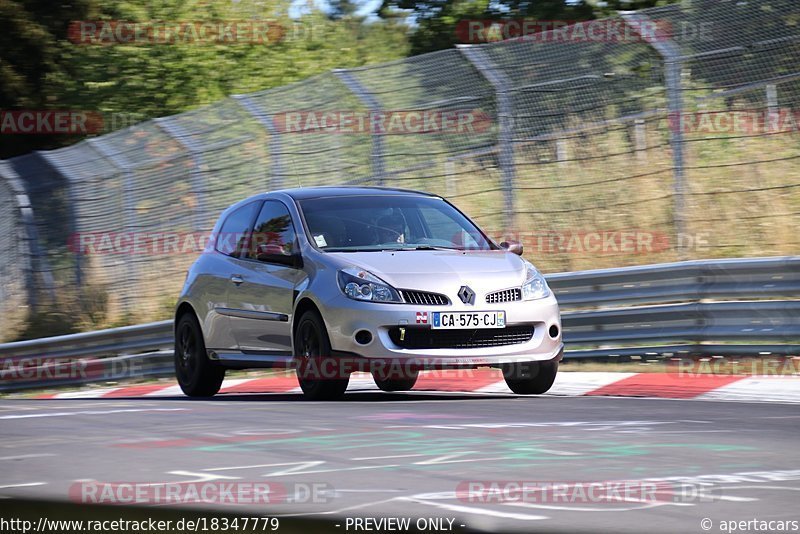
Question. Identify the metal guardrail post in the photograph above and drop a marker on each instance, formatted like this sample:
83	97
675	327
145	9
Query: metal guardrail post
175	131
378	149
128	216
673	66
38	263
277	170
501	85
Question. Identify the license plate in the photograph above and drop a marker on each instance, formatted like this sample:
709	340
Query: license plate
478	319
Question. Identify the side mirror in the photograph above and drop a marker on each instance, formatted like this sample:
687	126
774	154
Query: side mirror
290	260
275	254
512	246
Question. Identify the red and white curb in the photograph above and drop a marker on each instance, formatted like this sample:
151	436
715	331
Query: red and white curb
490	382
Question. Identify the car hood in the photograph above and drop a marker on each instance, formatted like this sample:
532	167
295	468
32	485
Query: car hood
443	271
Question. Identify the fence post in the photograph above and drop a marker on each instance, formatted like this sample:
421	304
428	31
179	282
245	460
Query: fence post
277	170
501	85
72	180
129	215
37	263
176	132
449	173
562	152
640	139
372	104
673	66
773	113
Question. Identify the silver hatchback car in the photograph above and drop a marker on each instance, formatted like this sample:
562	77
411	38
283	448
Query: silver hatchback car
330	280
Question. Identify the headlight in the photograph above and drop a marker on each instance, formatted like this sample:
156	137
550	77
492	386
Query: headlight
359	284
535	286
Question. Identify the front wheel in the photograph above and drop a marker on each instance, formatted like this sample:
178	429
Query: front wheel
197	375
530	378
317	371
395	381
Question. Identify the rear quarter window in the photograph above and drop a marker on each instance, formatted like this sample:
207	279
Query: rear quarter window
235	230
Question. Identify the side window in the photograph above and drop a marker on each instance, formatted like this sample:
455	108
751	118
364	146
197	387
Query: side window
232	238
273	233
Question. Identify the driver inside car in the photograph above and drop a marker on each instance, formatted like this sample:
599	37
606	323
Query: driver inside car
391	229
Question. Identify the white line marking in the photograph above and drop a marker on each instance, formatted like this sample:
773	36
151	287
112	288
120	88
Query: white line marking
91	412
386	457
338	511
297	469
762	487
735	499
549	451
476	511
233	382
23	456
201	477
335	470
85	394
167	391
26	485
446	459
257	466
600	508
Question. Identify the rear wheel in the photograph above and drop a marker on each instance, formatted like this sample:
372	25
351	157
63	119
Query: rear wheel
530	378
197	375
400	381
317	371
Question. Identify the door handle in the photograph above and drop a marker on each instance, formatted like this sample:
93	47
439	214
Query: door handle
237	279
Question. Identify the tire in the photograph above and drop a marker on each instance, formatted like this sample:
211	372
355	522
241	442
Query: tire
197	375
312	350
395	382
530	378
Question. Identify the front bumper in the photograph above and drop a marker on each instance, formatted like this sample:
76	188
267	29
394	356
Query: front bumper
345	317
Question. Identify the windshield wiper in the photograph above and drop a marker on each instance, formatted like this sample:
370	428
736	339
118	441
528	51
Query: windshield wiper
388	249
347	249
426	247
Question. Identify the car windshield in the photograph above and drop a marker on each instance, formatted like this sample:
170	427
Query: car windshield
389	222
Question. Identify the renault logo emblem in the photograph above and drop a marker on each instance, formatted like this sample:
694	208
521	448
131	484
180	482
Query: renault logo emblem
466	295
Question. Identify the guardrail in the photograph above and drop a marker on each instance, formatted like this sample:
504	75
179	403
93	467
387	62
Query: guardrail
737	326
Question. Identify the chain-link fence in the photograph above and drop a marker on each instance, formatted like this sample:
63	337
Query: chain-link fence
670	134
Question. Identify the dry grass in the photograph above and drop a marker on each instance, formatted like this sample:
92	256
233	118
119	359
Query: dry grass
734	207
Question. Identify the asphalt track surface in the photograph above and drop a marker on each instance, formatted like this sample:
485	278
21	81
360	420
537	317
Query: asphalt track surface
410	455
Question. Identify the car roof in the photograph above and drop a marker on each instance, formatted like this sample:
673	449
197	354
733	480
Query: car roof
302	193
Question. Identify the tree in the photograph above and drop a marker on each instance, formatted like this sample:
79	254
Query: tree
33	74
438	22
40	68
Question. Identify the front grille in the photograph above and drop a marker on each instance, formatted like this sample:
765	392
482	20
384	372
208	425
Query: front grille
506	295
424	297
428	338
